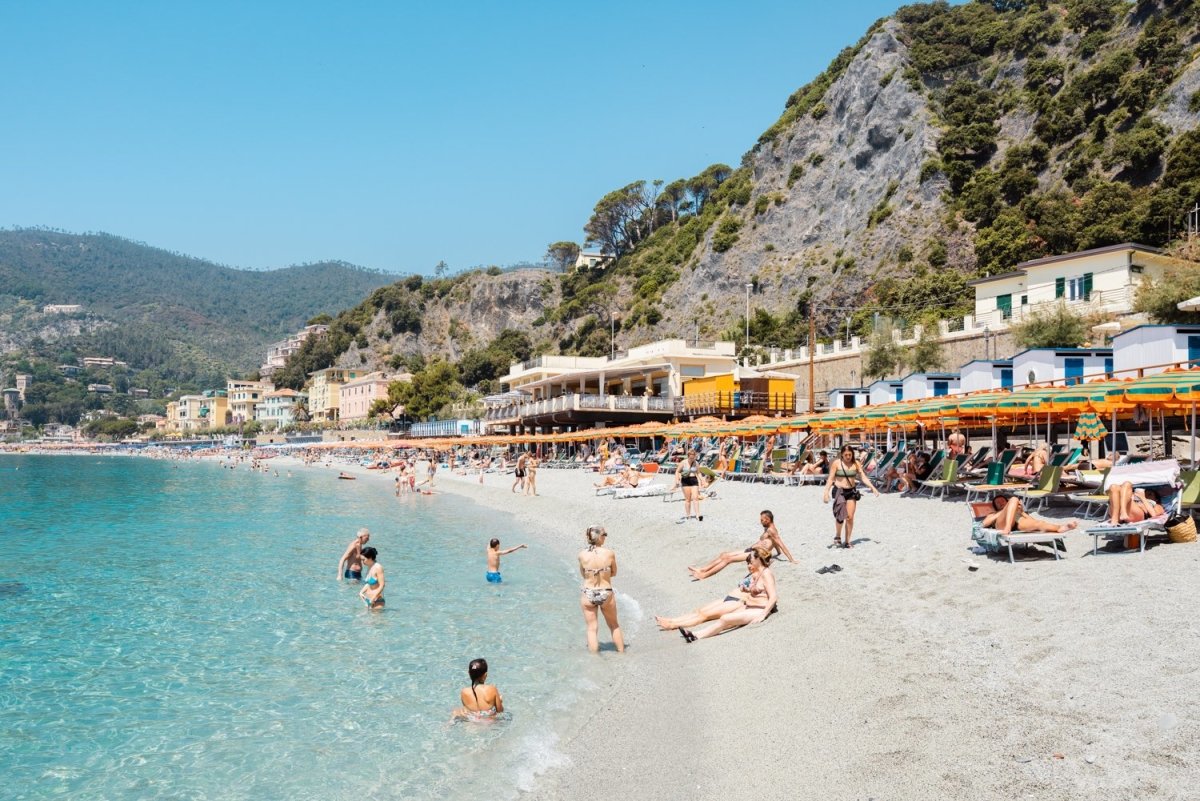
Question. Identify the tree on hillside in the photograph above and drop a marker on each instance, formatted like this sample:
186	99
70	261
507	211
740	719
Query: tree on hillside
562	254
617	223
672	197
440	269
885	356
391	407
1160	298
431	390
1057	327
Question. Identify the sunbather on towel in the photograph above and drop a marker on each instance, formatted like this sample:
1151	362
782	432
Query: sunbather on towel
627	478
1010	515
1127	505
1034	462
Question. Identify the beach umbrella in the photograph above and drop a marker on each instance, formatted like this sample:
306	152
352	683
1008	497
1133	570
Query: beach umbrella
1089	427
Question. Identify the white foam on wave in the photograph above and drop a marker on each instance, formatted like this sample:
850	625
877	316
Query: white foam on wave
539	752
630	608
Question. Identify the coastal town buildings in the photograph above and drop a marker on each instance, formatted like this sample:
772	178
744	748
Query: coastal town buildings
102	362
101	389
324	392
23	382
278	353
357	396
62	308
278	408
566	392
244	397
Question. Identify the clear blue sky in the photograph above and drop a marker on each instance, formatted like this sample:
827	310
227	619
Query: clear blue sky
387	134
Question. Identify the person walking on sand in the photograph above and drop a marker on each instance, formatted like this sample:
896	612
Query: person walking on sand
598	567
531	467
350	567
372	589
493	559
687	476
519	472
842	484
480	701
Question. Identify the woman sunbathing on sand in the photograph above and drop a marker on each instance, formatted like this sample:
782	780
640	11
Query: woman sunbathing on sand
759	601
1010	515
1035	462
628	478
769	539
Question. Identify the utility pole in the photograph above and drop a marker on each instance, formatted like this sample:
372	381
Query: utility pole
748	288
812	345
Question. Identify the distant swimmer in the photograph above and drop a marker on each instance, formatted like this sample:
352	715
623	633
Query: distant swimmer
351	565
480	701
493	559
346	477
372	591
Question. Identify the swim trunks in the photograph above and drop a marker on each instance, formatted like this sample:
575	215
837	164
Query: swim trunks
493	578
689	481
352	574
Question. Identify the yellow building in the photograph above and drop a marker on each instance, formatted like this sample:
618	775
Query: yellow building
324	392
740	393
244	397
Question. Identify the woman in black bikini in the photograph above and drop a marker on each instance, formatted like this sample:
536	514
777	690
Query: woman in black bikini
758	604
688	476
842	484
1010	515
598	566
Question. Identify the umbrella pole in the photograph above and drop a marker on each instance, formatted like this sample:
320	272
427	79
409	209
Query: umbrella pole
1193	433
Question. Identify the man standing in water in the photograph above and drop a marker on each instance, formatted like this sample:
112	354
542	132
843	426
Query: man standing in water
493	559
351	565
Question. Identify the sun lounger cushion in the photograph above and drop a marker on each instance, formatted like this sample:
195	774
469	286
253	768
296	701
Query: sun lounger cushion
643	490
1163	472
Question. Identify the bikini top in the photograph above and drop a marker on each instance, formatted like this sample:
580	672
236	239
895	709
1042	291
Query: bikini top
595	571
845	472
371	581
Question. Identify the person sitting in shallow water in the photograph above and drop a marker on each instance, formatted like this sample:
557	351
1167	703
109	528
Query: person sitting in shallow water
480	701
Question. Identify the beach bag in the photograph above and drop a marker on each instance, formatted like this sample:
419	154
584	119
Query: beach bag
1181	528
995	474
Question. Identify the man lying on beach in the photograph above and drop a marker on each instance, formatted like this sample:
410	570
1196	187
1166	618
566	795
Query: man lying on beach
493	559
1010	515
769	539
350	566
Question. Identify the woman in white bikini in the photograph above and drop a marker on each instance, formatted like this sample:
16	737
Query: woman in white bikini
598	566
758	604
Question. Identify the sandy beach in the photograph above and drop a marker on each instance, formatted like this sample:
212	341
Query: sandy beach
905	676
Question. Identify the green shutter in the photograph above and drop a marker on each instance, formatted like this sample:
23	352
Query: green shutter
1004	304
1087	286
1060	287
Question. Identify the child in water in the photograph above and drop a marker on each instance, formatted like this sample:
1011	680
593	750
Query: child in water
480	701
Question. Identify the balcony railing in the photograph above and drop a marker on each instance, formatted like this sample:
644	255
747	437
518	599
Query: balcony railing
741	403
577	402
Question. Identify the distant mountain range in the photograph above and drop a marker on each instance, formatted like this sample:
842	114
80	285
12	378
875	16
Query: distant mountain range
156	309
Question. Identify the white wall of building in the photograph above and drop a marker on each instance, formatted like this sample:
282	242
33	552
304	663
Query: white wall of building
883	391
1038	365
1149	345
982	374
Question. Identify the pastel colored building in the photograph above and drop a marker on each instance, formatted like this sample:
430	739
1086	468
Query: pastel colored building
279	352
1061	365
1149	349
278	408
984	374
244	396
359	395
324	392
740	393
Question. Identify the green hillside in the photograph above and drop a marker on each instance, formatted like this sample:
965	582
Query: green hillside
186	317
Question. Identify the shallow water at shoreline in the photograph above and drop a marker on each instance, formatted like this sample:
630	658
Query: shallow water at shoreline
177	630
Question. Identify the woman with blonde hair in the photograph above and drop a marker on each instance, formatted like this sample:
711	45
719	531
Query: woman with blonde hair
598	566
758	602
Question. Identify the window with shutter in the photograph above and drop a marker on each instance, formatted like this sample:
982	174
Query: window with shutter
1004	304
1087	286
1060	287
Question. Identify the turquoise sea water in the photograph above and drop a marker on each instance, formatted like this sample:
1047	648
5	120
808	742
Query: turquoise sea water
176	631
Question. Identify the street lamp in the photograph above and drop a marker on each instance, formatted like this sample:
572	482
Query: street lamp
986	332
749	286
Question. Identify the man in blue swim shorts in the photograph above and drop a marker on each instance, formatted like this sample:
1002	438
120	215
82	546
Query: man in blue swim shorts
493	559
351	565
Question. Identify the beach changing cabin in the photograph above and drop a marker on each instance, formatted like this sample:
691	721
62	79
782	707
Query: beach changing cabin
984	374
1061	365
1153	348
929	385
842	398
885	390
